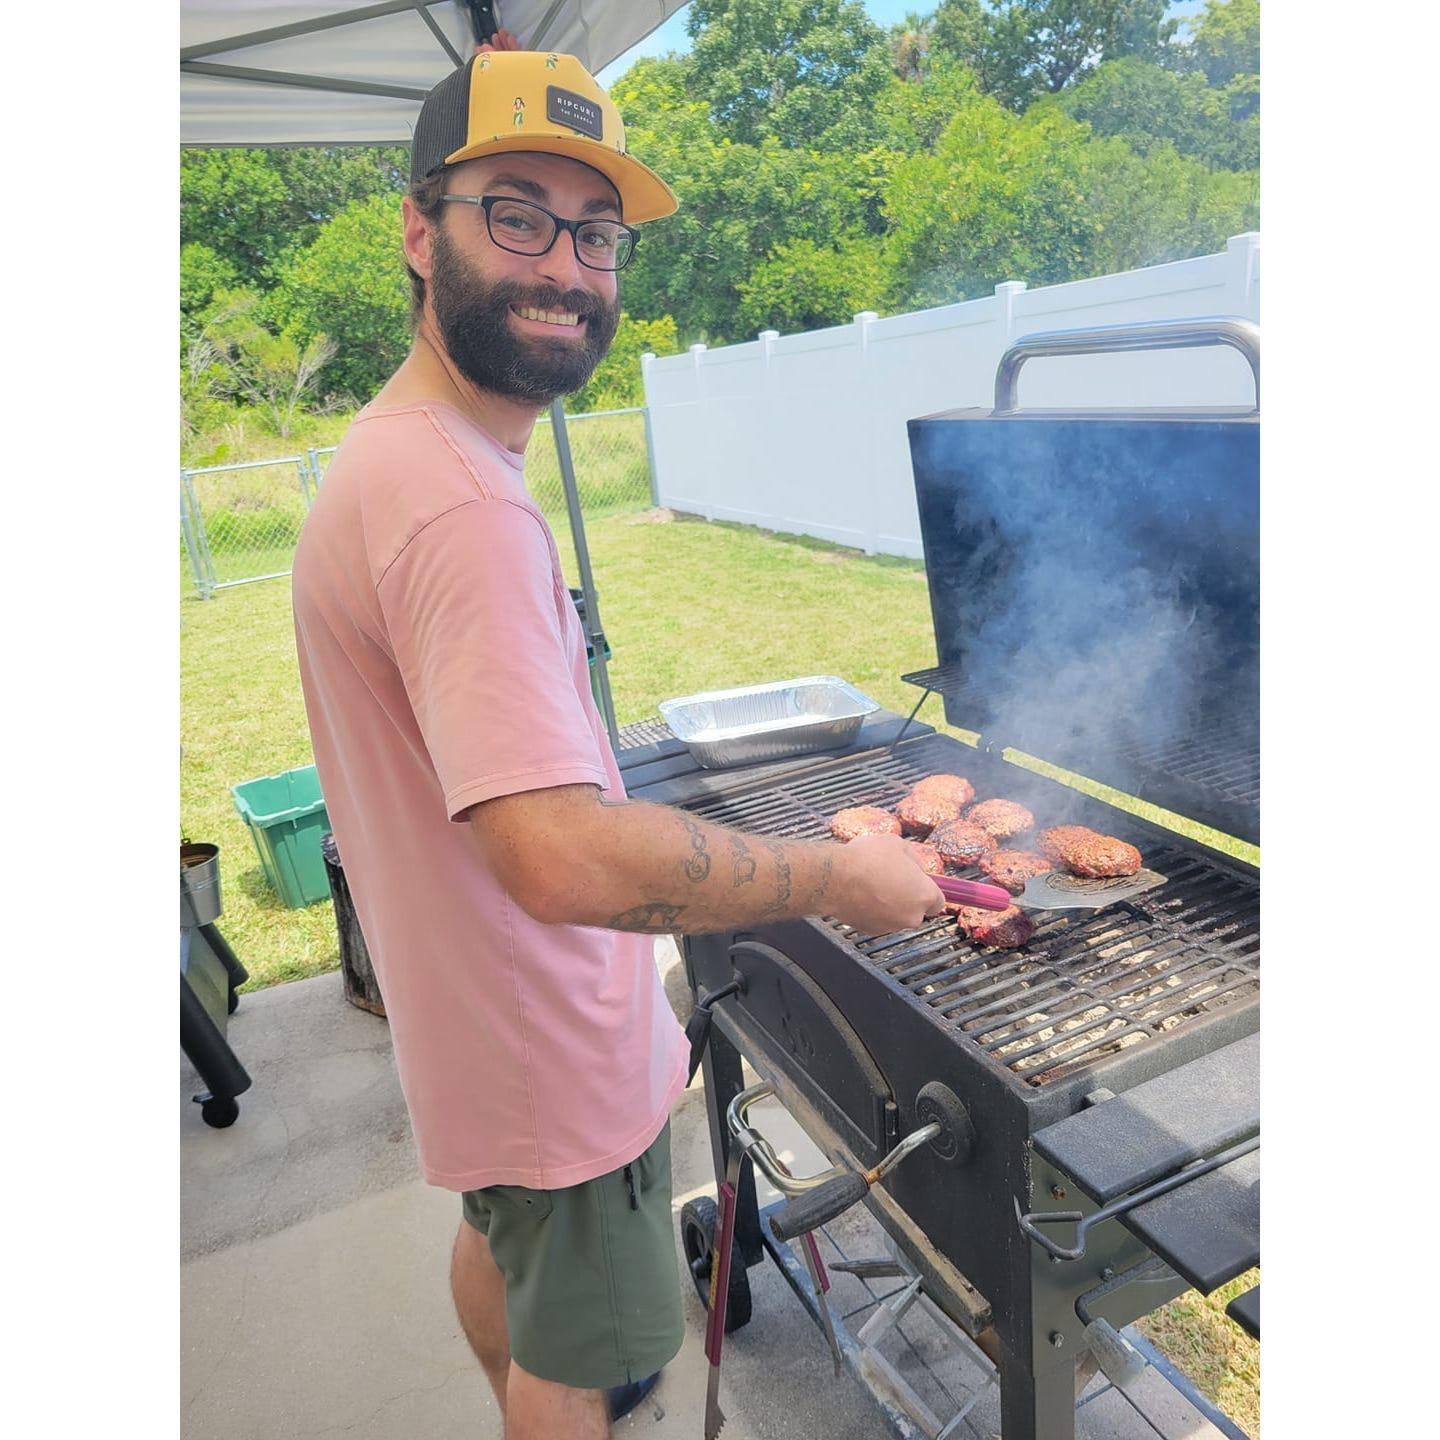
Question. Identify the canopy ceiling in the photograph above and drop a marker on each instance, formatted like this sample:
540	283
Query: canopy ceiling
316	72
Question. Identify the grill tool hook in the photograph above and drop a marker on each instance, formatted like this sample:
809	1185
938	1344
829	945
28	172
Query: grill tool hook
697	1027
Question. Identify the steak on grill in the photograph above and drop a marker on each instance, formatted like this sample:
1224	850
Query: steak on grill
962	844
1004	929
1002	818
1013	868
863	820
948	787
931	861
1086	852
920	812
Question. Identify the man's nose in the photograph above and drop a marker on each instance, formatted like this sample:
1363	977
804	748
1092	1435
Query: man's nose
560	264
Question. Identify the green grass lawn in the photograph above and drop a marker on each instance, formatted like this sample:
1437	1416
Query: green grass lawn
687	606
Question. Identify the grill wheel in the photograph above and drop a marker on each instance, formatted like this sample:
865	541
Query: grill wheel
699	1221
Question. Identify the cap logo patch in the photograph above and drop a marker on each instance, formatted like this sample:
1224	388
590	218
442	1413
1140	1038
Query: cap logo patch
565	107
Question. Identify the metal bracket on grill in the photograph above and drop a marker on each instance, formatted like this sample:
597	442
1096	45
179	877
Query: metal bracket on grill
1031	1223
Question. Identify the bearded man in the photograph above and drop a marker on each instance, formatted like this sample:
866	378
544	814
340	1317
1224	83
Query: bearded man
506	888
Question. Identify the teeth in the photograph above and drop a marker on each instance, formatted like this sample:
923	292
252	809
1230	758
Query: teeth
551	317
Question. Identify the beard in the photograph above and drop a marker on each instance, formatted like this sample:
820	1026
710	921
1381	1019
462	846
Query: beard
473	316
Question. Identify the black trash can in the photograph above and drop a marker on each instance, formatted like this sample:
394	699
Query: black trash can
361	987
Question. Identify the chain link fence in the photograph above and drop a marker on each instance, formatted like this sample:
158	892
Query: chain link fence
239	523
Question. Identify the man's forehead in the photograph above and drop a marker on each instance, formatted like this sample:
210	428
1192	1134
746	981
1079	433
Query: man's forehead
553	173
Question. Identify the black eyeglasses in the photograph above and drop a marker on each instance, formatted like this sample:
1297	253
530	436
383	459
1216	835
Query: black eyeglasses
524	228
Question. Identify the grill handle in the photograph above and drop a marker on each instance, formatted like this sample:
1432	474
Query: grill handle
1242	335
815	1208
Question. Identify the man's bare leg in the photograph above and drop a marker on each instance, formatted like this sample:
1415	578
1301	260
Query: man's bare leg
542	1410
479	1291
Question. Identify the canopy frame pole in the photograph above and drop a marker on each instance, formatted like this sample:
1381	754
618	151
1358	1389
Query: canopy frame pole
301	82
596	636
303	27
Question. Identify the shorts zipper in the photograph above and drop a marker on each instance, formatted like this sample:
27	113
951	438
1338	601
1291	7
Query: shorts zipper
630	1181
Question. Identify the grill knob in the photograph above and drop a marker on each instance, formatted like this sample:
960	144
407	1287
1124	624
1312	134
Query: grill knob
955	1144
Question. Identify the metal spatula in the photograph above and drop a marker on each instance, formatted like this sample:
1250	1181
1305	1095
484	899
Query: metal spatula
1055	890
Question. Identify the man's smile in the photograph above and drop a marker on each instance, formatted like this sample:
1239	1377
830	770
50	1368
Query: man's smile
550	319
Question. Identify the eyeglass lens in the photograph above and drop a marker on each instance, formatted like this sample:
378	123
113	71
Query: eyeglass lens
527	230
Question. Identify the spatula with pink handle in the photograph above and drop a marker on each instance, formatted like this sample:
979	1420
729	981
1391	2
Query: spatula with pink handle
1055	890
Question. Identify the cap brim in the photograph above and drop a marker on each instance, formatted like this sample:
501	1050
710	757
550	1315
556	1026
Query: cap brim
643	194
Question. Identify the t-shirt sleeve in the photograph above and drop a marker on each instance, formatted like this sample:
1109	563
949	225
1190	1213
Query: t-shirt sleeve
470	608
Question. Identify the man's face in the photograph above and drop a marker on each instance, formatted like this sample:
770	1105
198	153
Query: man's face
489	302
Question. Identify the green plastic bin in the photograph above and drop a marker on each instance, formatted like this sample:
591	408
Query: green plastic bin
286	816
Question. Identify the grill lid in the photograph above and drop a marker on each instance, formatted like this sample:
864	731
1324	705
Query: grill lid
1094	585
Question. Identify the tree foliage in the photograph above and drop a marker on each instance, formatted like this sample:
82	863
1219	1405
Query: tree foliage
617	382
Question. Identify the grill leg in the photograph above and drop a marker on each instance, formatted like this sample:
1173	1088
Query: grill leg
1037	1406
724	1080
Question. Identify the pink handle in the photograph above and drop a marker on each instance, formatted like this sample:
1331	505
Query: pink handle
972	892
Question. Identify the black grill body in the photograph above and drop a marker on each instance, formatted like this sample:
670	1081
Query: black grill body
850	1028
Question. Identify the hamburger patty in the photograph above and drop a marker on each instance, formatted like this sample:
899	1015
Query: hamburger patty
1012	868
1002	818
962	844
920	812
1004	929
931	861
863	820
947	787
1086	852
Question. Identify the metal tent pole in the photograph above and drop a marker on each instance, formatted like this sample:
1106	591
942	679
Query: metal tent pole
596	634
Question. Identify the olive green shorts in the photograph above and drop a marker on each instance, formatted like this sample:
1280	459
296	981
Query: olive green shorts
592	1290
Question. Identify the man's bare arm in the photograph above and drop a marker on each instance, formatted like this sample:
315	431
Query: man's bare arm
570	859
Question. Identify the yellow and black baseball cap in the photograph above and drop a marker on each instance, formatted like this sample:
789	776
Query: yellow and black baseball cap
509	100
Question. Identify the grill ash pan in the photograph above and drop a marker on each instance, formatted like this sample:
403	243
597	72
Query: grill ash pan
722	728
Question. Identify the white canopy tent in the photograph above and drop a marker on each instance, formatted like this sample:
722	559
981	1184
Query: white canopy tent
340	72
344	72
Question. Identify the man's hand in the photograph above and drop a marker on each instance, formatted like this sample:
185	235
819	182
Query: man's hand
879	886
501	40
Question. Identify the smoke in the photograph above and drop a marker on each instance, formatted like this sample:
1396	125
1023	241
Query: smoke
1097	581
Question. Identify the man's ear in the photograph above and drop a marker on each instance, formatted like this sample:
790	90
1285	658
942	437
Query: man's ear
417	235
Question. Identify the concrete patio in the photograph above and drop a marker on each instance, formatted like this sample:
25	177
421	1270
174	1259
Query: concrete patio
314	1287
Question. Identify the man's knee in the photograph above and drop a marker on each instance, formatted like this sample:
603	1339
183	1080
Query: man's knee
536	1407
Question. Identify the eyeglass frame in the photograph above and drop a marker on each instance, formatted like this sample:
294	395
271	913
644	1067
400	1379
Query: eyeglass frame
488	202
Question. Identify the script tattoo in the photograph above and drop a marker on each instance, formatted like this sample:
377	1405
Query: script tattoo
782	878
697	867
654	917
823	889
744	861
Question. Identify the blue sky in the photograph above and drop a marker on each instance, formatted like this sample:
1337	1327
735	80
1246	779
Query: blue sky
671	35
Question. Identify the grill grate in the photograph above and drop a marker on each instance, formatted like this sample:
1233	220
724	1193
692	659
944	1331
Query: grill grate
643	732
1088	984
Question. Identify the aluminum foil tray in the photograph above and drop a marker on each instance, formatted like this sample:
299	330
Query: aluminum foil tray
722	728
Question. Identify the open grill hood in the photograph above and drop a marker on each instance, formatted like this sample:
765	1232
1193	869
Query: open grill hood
1094	585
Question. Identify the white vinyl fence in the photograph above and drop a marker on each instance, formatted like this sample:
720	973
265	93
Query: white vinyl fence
806	433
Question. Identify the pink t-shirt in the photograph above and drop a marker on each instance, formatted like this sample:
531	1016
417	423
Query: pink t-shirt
443	664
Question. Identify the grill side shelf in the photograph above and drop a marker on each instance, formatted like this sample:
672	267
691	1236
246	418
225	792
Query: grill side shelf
1152	1130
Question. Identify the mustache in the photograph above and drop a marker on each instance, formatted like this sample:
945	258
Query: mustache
549	297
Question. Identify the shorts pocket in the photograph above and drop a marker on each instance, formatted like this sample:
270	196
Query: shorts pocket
517	1201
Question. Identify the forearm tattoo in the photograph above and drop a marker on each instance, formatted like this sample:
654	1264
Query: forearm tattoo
654	917
782	878
744	861
697	867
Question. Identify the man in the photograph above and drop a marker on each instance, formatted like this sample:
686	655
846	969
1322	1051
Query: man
506	888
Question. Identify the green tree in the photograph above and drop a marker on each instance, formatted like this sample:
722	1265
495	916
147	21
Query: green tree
1149	106
1225	40
617	382
794	69
802	285
910	45
275	373
202	273
255	207
350	284
1022	49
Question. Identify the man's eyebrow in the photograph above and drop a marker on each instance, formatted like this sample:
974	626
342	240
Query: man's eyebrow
541	195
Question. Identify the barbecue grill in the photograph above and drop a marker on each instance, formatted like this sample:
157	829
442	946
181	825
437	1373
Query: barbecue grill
1092	1096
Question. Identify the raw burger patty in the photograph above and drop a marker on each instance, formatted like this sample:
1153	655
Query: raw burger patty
1002	818
1012	868
960	843
931	861
863	820
1004	929
947	787
920	812
1086	852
